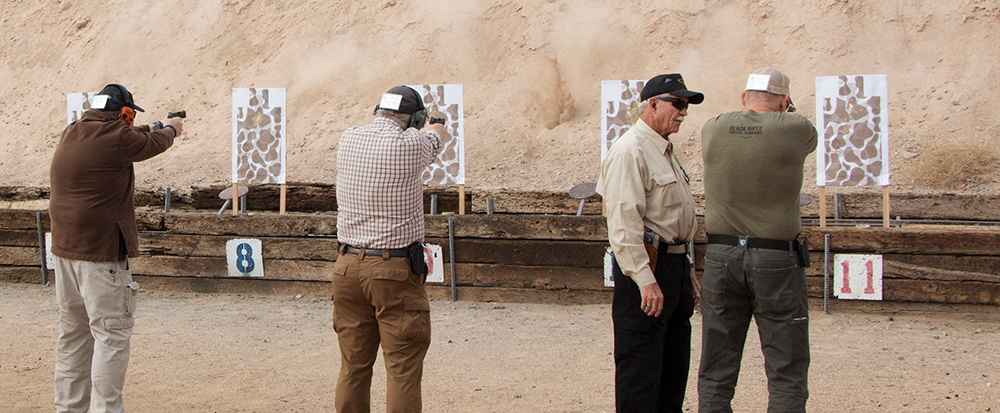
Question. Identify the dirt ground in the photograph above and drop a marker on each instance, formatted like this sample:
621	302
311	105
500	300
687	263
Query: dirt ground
242	353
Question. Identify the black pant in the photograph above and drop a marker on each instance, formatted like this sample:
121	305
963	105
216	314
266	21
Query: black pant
653	355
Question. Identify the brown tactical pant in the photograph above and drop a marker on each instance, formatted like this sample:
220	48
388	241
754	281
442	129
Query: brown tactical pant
379	300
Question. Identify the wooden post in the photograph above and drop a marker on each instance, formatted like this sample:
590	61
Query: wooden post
822	207
281	206
236	199
461	199
885	206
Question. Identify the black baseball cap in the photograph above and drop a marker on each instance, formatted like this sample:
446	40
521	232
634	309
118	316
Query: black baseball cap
118	97
673	84
402	99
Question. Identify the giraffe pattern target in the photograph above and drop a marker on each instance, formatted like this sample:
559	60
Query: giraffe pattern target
853	125
619	109
259	136
445	101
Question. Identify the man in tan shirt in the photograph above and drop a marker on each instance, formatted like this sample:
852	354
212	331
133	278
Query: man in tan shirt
646	190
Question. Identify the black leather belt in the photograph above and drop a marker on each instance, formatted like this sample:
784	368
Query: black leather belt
672	248
395	252
770	244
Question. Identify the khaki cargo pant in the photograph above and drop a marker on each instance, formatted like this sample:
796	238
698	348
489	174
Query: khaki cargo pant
379	300
96	303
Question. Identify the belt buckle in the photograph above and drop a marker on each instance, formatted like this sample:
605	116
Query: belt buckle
743	241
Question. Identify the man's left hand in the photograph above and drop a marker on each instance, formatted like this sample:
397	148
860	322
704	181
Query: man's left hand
177	123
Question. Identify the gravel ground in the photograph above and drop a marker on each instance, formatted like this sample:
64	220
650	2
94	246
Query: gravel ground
244	353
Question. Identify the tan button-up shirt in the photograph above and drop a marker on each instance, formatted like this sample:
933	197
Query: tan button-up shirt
644	185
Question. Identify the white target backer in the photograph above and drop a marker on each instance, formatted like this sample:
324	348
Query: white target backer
609	278
435	263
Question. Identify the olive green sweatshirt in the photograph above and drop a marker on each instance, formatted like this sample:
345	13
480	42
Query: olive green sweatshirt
753	172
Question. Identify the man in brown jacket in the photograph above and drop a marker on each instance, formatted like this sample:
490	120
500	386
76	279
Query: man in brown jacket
93	234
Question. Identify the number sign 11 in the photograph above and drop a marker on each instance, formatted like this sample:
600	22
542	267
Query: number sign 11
244	258
857	277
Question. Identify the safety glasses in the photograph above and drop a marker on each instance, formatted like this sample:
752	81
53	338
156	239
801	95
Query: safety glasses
679	104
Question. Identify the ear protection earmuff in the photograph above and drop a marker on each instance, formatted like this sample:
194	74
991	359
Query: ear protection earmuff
127	115
418	119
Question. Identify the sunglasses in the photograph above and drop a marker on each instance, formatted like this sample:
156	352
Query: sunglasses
679	104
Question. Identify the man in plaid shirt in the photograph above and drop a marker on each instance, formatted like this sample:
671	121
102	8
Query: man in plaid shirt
377	297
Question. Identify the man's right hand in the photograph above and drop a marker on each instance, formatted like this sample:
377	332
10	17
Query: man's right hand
434	127
652	299
177	123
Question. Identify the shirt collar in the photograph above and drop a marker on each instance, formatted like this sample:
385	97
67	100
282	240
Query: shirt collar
381	120
646	132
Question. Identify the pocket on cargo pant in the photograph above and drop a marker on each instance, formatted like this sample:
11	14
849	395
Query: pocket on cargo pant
416	320
781	292
117	331
629	334
131	290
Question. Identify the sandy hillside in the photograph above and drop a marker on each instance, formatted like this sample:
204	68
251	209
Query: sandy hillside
531	71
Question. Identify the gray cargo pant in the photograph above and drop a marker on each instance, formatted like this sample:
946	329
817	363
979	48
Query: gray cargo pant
770	286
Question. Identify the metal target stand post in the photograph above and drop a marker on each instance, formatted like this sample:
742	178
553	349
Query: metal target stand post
805	199
451	258
582	192
227	194
826	273
41	249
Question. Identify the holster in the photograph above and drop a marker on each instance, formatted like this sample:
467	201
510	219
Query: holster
415	253
803	245
651	241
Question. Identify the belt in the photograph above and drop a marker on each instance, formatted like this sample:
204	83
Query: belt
770	244
394	252
673	248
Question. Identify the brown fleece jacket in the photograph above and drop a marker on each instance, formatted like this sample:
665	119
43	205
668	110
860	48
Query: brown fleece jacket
93	183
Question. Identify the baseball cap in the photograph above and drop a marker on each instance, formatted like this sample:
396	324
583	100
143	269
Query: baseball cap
117	98
673	84
402	99
768	79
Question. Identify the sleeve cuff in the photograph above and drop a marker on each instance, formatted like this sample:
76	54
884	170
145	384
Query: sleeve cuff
644	277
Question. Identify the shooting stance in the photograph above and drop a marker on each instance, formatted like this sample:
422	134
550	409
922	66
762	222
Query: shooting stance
93	234
753	265
651	218
378	279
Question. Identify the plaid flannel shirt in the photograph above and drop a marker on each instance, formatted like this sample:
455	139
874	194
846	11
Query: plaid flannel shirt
380	195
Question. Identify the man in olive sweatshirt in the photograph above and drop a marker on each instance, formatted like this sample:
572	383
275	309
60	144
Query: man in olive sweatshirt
753	175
